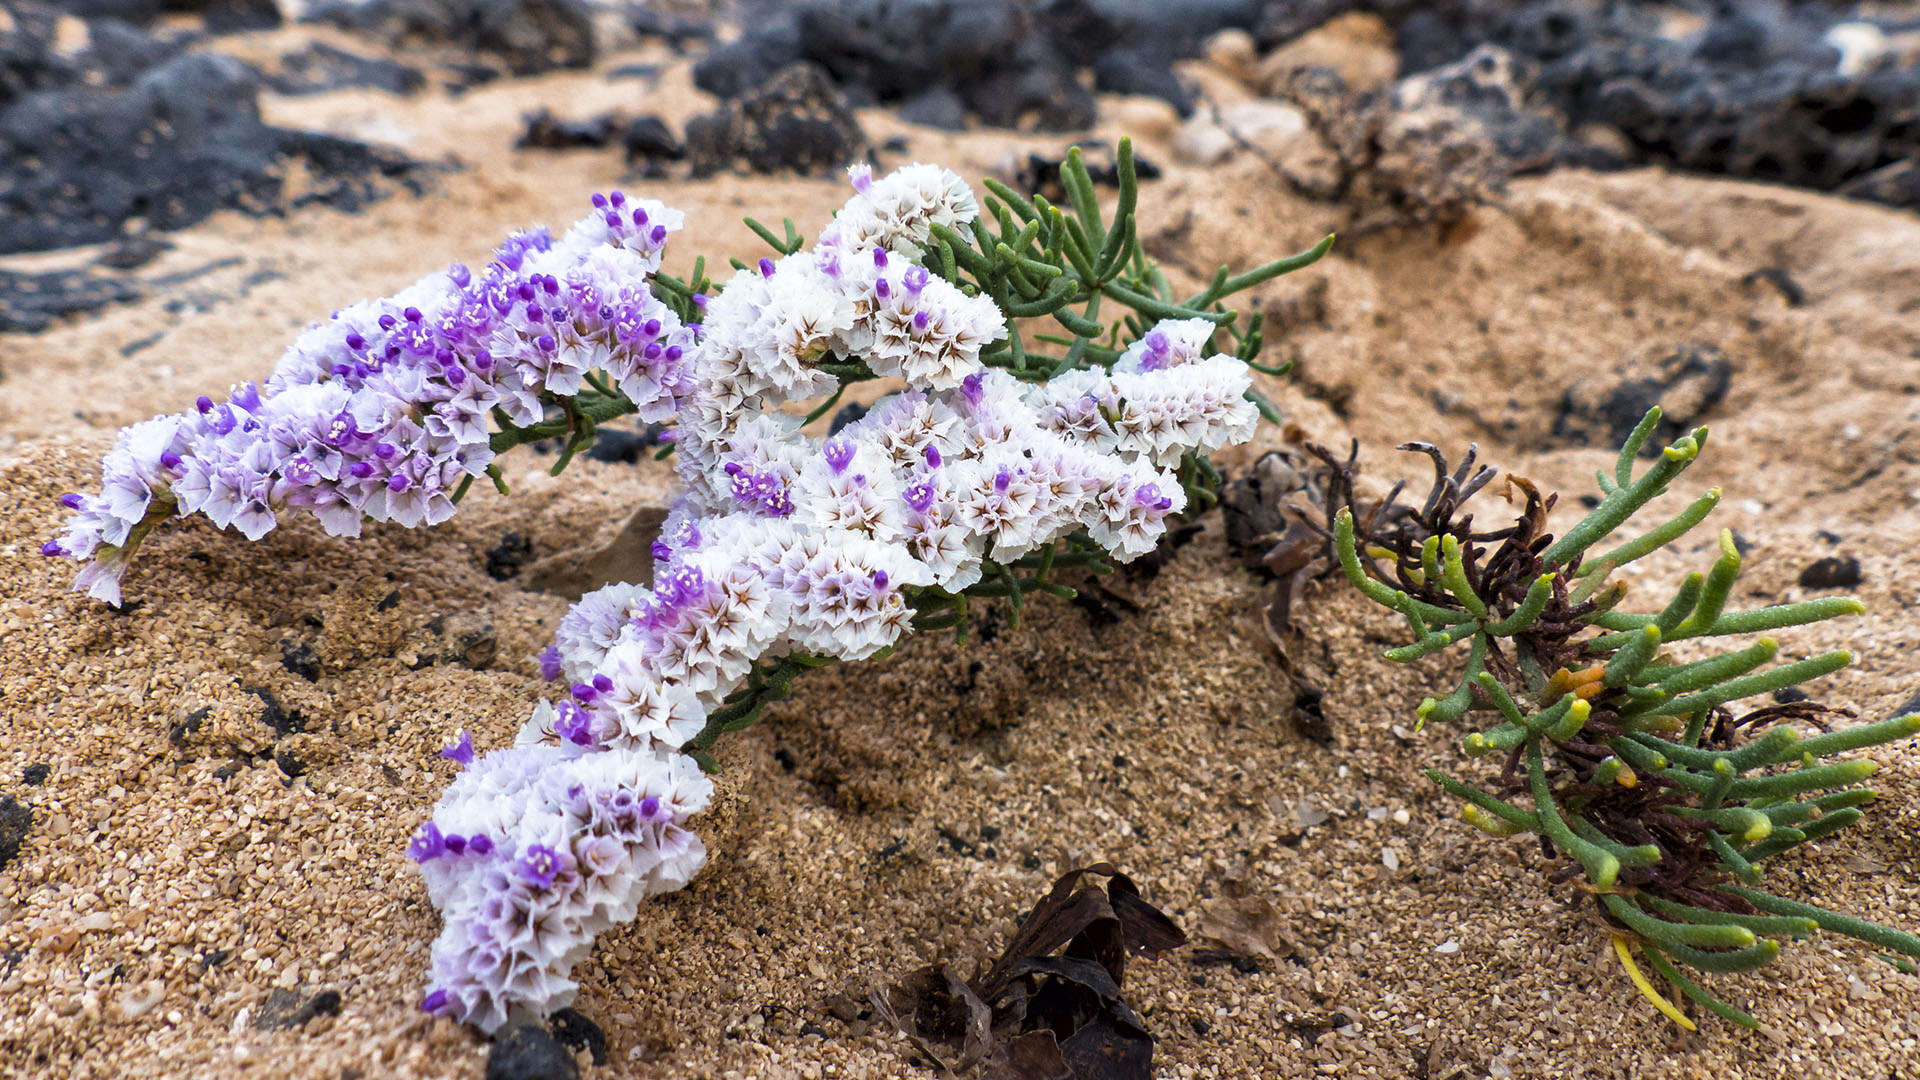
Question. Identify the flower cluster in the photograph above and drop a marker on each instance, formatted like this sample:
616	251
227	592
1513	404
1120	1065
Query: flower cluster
784	548
383	411
788	545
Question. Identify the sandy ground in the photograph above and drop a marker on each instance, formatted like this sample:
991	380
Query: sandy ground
899	813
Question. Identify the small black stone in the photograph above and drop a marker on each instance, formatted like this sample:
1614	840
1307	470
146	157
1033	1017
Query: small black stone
324	1003
1776	276
16	818
649	137
1832	572
847	414
1200	1025
508	556
529	1053
289	763
388	602
273	715
134	251
545	131
1787	695
298	657
36	774
179	733
785	758
30	302
626	447
579	1033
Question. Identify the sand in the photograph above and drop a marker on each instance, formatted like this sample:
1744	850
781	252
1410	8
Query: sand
904	812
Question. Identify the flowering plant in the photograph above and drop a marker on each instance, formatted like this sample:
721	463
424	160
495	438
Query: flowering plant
1626	757
991	465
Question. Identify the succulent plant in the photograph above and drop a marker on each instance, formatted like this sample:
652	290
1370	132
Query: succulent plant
1624	756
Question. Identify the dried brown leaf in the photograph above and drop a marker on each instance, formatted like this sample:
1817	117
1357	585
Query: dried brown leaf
1033	1056
1109	1049
1247	926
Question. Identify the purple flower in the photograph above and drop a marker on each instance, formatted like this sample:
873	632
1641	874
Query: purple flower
480	845
427	843
838	453
573	724
1149	498
460	749
435	1002
649	806
933	456
550	667
540	866
974	388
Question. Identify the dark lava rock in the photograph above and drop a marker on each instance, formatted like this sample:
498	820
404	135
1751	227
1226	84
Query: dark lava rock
545	131
1603	410
1171	27
579	1033
320	67
230	16
36	774
506	558
1012	63
1487	90
528	36
1832	572
31	302
797	122
182	140
529	1053
1144	70
1757	94
938	107
1035	91
680	31
898	48
733	69
16	819
289	763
